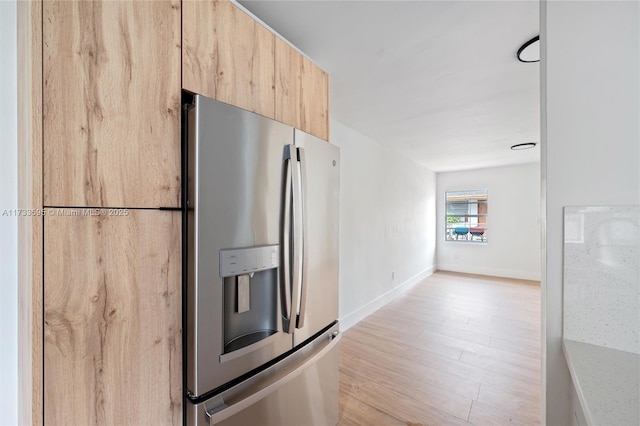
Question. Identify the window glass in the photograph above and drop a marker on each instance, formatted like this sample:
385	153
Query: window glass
466	216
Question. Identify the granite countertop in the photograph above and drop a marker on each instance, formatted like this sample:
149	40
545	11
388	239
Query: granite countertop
607	382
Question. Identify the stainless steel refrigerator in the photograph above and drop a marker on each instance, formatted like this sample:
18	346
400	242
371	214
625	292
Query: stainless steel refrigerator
261	242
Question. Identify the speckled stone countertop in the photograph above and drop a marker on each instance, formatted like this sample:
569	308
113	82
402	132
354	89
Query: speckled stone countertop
607	382
601	276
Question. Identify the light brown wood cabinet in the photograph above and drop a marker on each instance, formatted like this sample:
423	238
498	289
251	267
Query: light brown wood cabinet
230	57
111	100
112	317
227	56
112	299
288	84
314	100
302	92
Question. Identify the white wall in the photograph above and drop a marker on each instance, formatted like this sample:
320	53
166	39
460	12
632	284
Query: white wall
513	223
387	222
8	225
591	141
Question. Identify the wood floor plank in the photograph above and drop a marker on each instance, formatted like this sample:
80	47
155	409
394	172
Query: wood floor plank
403	370
402	319
396	328
406	408
437	305
529	341
419	312
529	374
409	377
368	337
438	340
456	349
516	386
471	336
484	415
517	314
517	345
520	339
496	328
397	342
353	412
521	407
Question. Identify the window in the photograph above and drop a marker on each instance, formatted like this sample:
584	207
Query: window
466	216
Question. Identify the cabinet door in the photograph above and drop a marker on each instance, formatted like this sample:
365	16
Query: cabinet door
227	56
314	100
112	318
111	100
288	84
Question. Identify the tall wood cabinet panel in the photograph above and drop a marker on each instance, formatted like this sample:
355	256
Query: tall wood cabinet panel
111	103
288	84
314	100
29	111
227	56
112	320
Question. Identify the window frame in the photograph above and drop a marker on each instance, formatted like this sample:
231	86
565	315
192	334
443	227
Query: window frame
468	224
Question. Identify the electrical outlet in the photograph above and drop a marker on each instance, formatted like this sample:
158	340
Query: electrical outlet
393	275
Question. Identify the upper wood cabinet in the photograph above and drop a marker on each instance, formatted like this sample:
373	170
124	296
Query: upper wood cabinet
227	56
111	100
314	100
302	92
112	318
288	84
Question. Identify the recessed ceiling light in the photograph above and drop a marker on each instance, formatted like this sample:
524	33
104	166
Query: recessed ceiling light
530	51
521	146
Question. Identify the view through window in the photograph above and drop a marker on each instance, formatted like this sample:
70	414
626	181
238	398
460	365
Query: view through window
466	216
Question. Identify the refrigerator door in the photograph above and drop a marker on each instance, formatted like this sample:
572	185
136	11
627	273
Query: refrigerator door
302	389
317	305
235	174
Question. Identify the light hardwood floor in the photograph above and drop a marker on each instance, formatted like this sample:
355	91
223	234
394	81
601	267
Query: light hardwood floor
456	349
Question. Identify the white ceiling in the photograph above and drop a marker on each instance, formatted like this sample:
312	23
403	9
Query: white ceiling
437	80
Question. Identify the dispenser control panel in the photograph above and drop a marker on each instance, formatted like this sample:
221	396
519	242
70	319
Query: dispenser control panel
248	260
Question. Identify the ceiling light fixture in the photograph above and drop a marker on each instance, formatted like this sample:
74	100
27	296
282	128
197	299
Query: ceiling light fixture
521	146
530	51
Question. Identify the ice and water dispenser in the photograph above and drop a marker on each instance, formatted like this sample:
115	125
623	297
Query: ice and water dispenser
250	280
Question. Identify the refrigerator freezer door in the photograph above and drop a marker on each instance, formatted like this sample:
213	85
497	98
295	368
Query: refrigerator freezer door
302	389
317	305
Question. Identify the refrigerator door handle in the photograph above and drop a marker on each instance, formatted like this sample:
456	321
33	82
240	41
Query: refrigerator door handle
305	251
285	240
297	229
224	409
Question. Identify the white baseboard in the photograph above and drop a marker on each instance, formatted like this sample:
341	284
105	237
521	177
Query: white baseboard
494	272
364	311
